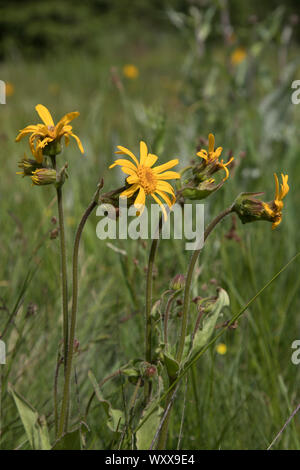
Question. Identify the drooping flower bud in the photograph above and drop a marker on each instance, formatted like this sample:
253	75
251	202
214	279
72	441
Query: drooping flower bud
249	208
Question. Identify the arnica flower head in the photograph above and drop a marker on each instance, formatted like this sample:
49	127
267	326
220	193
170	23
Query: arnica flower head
45	138
250	209
238	56
145	179
130	71
210	159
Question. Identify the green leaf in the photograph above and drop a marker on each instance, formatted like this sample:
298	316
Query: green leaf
116	418
171	364
146	432
35	425
69	441
202	336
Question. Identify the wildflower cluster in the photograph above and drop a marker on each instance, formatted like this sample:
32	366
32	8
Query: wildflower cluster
168	353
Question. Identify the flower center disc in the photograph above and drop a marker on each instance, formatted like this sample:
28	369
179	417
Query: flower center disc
147	179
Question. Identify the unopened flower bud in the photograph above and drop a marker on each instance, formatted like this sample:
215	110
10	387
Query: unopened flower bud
150	371
177	282
54	233
43	176
76	345
28	166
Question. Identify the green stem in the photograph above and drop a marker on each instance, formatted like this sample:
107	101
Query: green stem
186	304
167	314
149	282
58	364
64	279
63	263
188	282
63	424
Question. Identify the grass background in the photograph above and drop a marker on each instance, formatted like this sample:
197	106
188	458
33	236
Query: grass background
236	401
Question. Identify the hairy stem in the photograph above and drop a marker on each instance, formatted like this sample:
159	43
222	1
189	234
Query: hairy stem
58	364
64	278
63	424
148	332
63	264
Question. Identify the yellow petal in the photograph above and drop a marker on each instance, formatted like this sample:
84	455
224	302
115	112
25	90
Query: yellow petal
45	115
143	152
284	186
218	152
166	187
130	191
78	141
124	150
25	131
151	159
132	179
161	205
123	162
276	187
211	143
165	198
168	175
165	166
140	199
128	171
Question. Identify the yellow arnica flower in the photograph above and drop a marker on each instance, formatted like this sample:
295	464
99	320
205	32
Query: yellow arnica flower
238	56
212	156
44	134
274	209
221	349
145	179
130	71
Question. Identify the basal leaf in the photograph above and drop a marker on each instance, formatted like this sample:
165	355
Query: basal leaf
35	425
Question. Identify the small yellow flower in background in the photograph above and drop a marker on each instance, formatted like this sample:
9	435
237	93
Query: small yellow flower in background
145	179
221	349
42	135
9	89
238	56
212	156
71	221
130	71
274	209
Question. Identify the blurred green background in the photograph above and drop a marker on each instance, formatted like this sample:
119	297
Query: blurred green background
196	67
